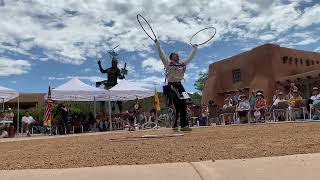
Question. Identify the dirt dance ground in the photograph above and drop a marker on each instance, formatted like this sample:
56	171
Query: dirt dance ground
212	143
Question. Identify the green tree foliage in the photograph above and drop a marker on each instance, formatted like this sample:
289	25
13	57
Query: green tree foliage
196	98
200	82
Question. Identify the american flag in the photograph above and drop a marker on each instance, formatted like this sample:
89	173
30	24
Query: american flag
47	116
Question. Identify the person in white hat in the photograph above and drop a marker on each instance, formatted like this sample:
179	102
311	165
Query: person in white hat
10	115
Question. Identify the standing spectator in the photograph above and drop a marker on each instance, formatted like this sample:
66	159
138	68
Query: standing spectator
260	107
204	115
236	97
27	121
63	111
10	115
246	91
252	101
293	87
137	112
228	96
91	120
275	96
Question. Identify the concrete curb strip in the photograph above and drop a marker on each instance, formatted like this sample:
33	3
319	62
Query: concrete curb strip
176	171
293	167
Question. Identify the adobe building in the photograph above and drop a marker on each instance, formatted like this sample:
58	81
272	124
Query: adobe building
268	67
28	100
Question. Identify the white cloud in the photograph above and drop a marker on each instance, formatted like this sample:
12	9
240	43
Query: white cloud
13	67
307	41
72	31
311	16
152	65
267	37
149	82
86	69
192	66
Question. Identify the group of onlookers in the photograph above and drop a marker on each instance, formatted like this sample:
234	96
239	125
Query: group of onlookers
240	107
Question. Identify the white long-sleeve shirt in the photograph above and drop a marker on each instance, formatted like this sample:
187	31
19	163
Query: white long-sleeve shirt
175	71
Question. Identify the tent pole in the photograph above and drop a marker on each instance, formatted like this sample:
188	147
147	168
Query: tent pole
94	107
110	116
18	116
2	104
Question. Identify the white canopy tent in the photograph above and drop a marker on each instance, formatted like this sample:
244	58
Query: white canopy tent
76	90
6	95
126	91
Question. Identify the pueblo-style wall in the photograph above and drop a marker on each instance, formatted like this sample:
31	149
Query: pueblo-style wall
268	67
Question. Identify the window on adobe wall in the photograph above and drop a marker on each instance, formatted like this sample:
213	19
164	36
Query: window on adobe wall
284	59
290	60
308	62
296	61
317	62
301	61
236	75
312	62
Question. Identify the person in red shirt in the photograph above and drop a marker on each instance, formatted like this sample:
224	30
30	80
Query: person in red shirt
260	107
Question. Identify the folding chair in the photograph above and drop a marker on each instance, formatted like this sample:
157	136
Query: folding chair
229	111
300	106
281	110
316	109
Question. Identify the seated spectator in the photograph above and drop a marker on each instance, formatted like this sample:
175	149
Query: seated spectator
131	120
103	121
281	98
243	108
295	97
27	121
214	112
227	104
152	117
4	133
229	117
280	106
315	95
260	107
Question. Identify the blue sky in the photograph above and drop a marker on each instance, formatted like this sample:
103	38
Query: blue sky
53	41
